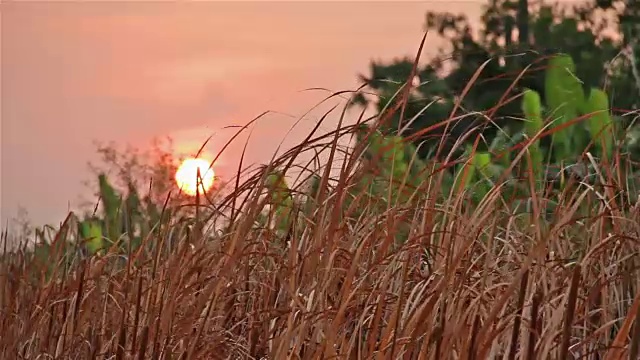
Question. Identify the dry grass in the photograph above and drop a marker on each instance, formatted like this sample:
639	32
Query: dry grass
470	282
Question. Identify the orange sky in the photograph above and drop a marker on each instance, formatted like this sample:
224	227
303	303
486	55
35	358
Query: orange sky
77	72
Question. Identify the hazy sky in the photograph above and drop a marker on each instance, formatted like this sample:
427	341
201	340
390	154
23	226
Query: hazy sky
77	72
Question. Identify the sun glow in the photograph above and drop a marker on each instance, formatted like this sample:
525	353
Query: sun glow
187	176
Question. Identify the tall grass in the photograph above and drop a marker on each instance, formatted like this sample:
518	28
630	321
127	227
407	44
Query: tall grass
468	281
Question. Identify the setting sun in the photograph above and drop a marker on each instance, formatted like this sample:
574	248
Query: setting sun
186	176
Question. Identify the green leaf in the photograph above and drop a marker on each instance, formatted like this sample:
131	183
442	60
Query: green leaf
600	122
532	108
91	230
564	96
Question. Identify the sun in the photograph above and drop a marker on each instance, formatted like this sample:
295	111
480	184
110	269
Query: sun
187	174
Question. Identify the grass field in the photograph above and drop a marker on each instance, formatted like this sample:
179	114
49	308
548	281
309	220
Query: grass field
481	281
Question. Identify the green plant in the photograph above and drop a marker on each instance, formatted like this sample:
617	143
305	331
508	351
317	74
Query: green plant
567	106
532	109
564	97
600	121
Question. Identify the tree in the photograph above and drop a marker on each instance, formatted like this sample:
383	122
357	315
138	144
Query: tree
541	31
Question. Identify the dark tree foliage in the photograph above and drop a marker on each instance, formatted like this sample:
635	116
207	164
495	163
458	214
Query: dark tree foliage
514	36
